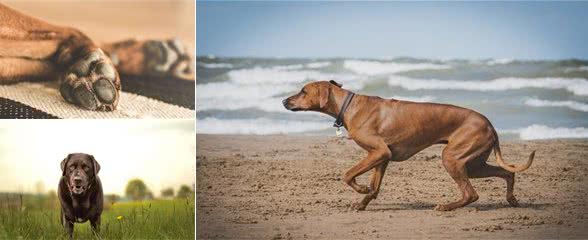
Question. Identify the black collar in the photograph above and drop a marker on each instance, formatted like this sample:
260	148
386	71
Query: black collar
339	122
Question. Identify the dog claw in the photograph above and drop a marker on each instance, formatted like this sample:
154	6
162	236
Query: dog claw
91	83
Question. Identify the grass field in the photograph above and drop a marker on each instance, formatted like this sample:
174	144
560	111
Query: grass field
153	219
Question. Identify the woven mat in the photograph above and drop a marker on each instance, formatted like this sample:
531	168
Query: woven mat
45	98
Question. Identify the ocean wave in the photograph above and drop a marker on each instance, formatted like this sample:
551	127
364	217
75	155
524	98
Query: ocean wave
231	103
414	98
500	61
577	86
578	106
537	132
576	69
260	76
216	65
377	68
271	75
288	67
318	64
232	90
259	126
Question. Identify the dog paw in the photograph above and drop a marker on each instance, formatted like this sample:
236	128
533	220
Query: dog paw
512	201
442	207
167	58
91	82
358	206
363	189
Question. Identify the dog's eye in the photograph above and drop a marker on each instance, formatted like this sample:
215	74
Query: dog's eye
86	168
72	167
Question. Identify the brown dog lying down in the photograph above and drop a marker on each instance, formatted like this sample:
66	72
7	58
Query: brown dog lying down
31	49
80	192
393	130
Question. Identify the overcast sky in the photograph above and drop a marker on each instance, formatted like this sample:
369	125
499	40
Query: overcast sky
161	153
523	30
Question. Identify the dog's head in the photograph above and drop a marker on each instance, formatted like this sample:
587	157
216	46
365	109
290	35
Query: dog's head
80	171
312	97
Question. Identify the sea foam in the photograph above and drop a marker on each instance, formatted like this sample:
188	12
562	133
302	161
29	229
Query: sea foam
216	65
378	68
577	86
535	132
578	106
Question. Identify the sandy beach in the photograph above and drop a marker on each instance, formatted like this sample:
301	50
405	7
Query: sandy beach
290	187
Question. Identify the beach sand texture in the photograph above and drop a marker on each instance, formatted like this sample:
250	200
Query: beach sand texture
290	187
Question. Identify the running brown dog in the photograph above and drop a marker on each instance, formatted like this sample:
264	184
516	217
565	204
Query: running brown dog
32	49
393	130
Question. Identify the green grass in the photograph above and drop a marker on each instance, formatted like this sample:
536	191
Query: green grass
154	219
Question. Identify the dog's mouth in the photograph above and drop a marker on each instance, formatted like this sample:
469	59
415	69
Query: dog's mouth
292	108
78	189
295	109
289	106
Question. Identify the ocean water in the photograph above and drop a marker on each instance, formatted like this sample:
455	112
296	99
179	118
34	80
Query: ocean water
524	99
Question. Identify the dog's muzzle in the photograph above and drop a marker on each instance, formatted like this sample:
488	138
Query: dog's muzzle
288	106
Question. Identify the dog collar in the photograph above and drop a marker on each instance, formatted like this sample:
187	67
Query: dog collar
339	121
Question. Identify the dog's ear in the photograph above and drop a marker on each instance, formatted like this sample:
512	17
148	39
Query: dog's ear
64	164
324	92
336	83
96	165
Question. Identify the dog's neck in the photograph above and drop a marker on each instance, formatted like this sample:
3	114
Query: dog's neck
335	102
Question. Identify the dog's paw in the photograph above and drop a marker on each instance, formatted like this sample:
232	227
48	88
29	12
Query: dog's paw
167	58
512	201
358	206
92	82
363	189
442	207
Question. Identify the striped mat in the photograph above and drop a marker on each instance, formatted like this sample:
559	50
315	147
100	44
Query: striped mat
141	98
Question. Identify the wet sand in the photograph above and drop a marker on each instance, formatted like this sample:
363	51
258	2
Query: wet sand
290	187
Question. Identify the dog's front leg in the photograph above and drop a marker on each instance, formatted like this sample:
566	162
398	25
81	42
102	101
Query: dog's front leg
375	183
96	226
377	156
67	226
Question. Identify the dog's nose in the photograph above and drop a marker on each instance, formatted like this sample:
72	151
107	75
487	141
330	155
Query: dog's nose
285	102
77	180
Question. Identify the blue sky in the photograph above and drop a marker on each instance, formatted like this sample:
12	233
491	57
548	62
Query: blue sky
522	30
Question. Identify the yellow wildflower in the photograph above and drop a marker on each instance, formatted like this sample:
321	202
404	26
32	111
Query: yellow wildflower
119	218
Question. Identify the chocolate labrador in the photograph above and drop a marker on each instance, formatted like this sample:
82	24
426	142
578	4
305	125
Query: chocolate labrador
394	130
80	192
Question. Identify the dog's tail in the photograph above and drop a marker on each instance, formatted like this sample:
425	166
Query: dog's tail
511	168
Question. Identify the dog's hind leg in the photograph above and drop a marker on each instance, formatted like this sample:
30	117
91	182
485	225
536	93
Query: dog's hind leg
480	169
456	168
375	183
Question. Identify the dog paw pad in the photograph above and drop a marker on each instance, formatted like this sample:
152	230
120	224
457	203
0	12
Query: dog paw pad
92	82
